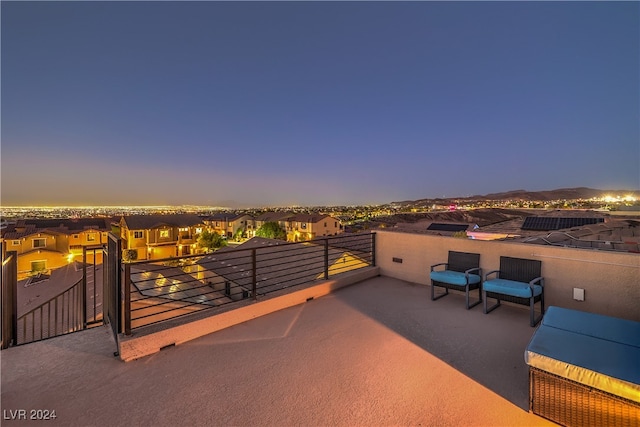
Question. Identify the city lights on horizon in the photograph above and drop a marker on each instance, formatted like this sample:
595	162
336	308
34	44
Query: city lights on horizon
607	198
614	199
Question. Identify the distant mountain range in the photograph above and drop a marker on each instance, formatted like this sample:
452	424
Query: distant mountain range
559	194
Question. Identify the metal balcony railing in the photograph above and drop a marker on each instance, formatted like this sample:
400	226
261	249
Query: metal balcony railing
159	290
74	309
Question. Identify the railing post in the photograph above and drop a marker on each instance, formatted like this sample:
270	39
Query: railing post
373	249
254	281
127	299
326	259
84	286
95	295
9	299
13	277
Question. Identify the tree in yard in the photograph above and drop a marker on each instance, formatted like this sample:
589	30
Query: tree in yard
271	230
211	240
129	255
239	235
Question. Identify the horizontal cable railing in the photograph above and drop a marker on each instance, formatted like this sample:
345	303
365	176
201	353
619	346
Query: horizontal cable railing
164	289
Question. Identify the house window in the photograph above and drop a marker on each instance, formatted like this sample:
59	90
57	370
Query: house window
138	234
183	229
217	224
15	242
303	225
325	225
164	234
91	237
39	243
38	265
76	236
198	230
335	224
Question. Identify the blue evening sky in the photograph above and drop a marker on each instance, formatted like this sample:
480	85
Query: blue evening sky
313	103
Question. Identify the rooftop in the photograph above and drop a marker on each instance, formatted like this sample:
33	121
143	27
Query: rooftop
379	352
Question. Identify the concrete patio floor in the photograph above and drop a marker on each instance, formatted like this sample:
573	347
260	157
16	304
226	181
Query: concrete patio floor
379	352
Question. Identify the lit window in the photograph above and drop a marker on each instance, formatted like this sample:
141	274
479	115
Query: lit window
91	237
164	234
303	225
16	243
39	243
199	230
138	234
38	266
184	229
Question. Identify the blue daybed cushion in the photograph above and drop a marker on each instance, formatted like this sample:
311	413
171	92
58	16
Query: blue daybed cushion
594	325
454	277
511	287
607	357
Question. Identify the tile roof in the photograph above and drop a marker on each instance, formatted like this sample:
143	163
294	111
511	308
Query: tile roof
313	218
224	216
146	222
27	227
274	216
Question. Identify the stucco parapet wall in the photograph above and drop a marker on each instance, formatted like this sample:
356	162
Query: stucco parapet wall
149	340
610	279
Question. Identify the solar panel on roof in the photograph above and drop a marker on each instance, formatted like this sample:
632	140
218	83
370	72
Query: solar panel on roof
537	223
447	227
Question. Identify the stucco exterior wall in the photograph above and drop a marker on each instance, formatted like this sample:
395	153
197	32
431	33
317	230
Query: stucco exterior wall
611	280
52	259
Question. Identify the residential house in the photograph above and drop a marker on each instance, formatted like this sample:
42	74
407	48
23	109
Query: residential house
161	236
46	244
301	227
279	217
228	224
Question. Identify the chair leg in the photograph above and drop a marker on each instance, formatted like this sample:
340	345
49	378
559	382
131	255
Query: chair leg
533	319
467	298
433	295
484	301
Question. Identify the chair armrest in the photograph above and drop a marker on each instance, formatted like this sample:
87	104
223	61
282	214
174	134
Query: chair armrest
437	265
478	269
537	279
497	272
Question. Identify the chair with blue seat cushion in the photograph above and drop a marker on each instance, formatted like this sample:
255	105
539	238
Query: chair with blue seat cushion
461	272
519	281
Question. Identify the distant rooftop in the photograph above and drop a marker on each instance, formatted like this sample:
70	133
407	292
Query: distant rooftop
571	228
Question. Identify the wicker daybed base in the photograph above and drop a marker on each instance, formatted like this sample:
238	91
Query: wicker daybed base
569	403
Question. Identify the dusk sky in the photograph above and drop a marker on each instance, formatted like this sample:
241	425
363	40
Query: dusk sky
315	103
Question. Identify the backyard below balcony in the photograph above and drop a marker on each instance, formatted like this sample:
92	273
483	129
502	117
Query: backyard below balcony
378	352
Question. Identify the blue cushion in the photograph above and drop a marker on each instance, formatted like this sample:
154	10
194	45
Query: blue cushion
454	277
594	325
511	287
611	358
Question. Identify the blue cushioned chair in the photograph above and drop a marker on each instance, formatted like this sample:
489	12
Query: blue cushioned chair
461	272
519	281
